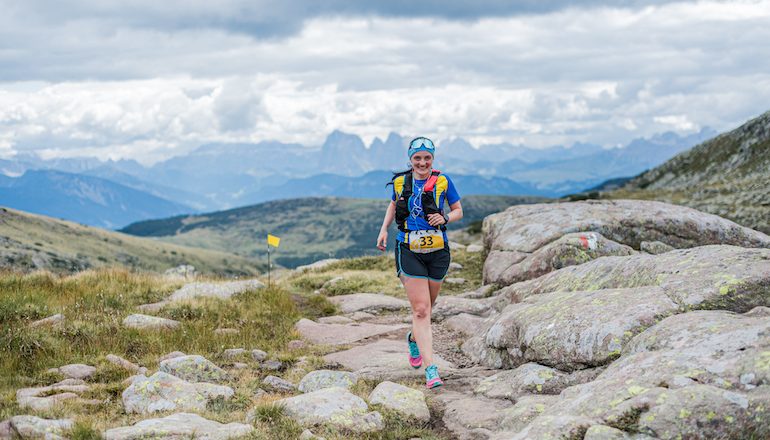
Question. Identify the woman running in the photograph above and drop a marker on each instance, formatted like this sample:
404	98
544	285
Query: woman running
422	249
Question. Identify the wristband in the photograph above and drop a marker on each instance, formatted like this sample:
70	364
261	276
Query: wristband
446	218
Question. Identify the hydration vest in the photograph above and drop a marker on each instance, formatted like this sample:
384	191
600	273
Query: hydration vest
428	200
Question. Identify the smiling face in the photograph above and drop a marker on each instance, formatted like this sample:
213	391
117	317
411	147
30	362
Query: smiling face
422	163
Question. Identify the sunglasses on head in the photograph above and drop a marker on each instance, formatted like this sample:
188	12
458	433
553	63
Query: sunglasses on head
422	143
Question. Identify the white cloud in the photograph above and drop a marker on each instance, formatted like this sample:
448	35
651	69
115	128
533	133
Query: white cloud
159	88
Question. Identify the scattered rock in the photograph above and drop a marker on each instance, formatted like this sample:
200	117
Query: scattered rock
340	334
273	365
481	292
473	248
465	323
316	380
240	366
334	406
276	384
31	427
214	290
258	355
233	353
454	281
6	431
259	392
147	322
655	248
469	417
331	283
361	316
296	344
183	271
179	426
453	245
75	371
194	368
321	264
383	359
44	398
308	435
153	307
453	266
401	399
337	319
172	355
227	331
51	321
123	363
164	392
446	306
368	302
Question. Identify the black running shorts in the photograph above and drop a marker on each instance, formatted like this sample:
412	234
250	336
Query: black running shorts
432	266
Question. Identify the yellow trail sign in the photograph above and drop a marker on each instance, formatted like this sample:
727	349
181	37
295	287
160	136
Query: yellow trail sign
272	240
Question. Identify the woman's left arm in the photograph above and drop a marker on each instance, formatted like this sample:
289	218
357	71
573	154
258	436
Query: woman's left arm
455	212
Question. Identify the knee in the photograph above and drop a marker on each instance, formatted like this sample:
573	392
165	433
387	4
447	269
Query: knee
421	311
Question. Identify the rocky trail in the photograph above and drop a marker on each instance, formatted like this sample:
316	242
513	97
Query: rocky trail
596	320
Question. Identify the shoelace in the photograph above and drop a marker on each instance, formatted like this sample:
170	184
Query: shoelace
414	350
431	372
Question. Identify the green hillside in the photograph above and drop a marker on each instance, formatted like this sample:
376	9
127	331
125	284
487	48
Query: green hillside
30	241
310	228
728	175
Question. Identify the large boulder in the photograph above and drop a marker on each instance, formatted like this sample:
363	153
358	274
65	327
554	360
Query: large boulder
569	250
164	392
214	290
707	277
336	407
179	426
194	368
703	374
569	330
471	417
512	236
531	378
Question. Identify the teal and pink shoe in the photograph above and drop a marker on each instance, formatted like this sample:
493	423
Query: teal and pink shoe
415	360
432	380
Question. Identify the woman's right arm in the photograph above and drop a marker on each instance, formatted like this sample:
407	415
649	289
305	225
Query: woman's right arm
390	214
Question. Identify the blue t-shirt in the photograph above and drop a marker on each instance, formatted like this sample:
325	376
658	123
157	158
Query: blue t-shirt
446	194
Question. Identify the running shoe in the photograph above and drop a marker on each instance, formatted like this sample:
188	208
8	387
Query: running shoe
415	360
431	377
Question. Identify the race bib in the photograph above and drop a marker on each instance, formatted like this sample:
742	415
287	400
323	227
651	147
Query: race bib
423	242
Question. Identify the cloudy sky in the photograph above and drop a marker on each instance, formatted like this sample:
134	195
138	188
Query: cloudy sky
149	79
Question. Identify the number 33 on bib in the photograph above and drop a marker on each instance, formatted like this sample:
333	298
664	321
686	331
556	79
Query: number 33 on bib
423	242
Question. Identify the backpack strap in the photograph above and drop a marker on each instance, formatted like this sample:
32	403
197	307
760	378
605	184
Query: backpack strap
406	191
431	183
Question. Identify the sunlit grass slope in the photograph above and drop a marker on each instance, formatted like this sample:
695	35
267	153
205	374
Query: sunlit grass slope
29	241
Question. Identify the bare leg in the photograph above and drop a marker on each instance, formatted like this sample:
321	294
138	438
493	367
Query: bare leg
435	287
418	292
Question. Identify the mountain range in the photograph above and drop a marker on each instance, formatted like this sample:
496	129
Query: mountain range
728	175
112	194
